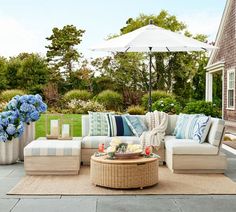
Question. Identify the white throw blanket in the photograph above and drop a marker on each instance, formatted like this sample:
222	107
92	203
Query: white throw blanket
157	124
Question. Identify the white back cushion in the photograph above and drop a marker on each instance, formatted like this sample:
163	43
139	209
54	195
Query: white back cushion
85	125
172	119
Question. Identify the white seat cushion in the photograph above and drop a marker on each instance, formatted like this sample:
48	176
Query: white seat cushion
53	148
92	142
189	147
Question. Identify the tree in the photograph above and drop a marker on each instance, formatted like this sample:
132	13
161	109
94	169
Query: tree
81	78
27	71
34	73
127	75
13	66
62	53
3	68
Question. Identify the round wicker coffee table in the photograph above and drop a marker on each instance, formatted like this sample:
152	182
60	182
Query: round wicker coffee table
124	173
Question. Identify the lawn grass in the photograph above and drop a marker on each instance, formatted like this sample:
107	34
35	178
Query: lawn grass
41	124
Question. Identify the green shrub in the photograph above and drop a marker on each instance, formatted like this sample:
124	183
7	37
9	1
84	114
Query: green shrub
135	110
82	107
110	99
168	105
7	95
182	101
202	107
77	95
156	95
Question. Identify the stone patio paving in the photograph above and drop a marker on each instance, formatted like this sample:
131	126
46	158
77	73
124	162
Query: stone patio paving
10	175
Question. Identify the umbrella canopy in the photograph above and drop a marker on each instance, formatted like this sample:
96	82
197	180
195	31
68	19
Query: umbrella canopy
156	38
151	38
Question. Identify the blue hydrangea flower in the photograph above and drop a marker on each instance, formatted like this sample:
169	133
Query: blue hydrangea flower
31	99
38	97
34	115
32	108
11	129
10	125
42	107
25	107
20	128
3	137
13	116
23	99
4	121
13	104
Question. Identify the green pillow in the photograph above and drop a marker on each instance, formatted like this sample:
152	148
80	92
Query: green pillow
98	124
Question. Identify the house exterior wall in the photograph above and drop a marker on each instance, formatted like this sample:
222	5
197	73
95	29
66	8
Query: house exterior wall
227	53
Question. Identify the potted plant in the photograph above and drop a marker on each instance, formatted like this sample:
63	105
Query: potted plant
29	108
11	128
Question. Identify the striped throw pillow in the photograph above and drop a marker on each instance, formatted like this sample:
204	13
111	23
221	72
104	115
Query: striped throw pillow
185	126
201	128
136	124
98	124
118	126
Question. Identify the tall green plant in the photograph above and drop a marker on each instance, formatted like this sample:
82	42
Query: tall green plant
77	95
110	99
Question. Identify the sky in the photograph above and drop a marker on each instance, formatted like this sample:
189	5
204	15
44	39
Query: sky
24	24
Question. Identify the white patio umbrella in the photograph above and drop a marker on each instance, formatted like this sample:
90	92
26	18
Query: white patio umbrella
150	39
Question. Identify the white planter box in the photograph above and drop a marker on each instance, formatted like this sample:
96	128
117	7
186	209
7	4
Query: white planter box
27	137
9	151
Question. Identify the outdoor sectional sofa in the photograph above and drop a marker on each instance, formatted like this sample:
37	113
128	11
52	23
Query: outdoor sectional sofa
180	155
50	157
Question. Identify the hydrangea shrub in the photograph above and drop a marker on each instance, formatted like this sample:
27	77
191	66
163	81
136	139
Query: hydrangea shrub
10	125
29	107
168	105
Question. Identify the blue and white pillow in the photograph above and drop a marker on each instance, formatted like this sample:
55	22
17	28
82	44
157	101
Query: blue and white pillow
185	126
118	126
201	128
136	124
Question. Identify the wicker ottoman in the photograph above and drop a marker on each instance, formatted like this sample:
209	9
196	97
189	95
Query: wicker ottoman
52	157
124	174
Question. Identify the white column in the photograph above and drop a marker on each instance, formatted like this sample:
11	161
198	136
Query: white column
209	84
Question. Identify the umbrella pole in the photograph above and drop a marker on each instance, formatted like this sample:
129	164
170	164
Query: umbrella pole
150	81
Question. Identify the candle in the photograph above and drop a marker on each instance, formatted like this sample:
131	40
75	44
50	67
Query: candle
54	128
65	131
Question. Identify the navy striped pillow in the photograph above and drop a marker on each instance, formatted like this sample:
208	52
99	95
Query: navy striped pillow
118	126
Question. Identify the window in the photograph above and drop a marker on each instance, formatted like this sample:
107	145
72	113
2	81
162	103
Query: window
230	88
